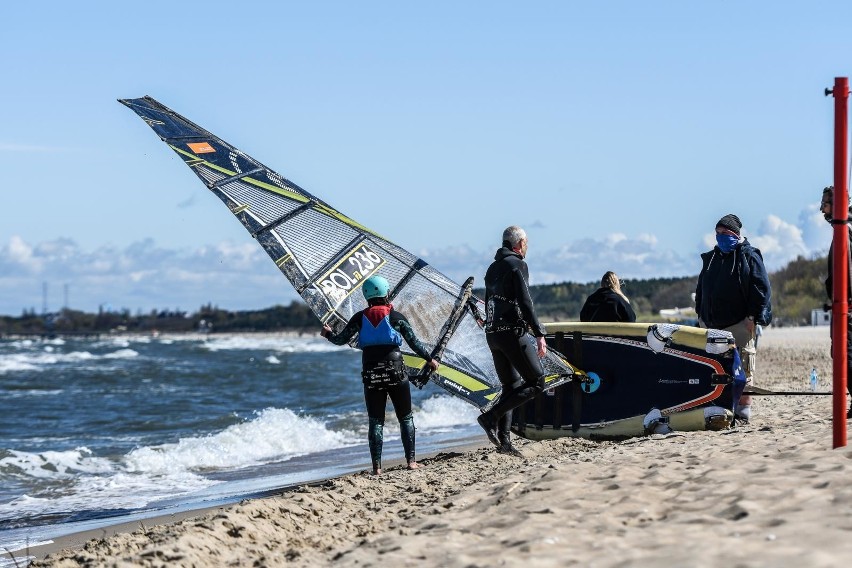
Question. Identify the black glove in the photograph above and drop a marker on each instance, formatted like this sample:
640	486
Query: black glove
420	379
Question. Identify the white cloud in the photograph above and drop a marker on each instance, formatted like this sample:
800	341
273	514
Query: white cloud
20	256
141	276
779	242
816	232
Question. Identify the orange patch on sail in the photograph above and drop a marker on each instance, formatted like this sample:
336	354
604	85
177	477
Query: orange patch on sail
201	147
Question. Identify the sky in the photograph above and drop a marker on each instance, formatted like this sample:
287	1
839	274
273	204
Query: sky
615	133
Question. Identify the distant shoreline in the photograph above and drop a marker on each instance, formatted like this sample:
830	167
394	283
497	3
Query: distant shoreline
295	332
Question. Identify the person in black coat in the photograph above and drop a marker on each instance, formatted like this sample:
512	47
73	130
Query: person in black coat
825	207
608	303
733	294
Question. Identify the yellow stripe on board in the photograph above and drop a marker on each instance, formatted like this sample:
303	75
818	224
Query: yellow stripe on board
413	362
470	383
241	208
551	378
685	335
283	259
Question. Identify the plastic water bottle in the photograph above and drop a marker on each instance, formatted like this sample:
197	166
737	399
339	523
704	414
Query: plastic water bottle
814	379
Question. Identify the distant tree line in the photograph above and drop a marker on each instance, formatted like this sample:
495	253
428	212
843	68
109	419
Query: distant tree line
296	316
797	289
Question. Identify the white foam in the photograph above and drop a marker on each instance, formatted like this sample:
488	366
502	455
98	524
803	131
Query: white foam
442	412
40	360
282	344
160	472
118	490
13	363
32	392
436	414
274	435
122	354
273	360
54	464
113	342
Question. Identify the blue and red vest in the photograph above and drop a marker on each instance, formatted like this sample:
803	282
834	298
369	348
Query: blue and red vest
376	328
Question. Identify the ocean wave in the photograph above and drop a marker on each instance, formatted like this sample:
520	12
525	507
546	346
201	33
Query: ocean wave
121	354
52	464
440	412
283	344
38	361
115	490
32	343
31	393
274	435
76	480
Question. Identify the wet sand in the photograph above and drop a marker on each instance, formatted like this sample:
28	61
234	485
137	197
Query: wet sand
771	493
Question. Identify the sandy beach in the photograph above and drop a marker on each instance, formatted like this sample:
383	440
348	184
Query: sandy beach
771	493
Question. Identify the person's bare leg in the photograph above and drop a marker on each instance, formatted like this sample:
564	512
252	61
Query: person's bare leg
377	471
414	465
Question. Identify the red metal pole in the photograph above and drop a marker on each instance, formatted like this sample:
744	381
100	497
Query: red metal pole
840	268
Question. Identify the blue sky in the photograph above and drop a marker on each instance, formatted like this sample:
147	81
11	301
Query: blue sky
616	133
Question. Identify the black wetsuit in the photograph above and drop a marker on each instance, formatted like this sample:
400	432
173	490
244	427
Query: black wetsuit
511	327
605	304
385	360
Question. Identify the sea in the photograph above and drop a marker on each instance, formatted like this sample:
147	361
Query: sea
101	430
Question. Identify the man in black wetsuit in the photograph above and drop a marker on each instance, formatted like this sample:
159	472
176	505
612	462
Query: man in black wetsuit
515	337
380	330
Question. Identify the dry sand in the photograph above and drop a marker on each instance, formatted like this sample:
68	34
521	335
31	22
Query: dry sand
772	493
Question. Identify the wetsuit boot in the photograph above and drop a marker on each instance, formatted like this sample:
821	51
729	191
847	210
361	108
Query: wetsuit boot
504	436
375	437
406	432
501	413
489	424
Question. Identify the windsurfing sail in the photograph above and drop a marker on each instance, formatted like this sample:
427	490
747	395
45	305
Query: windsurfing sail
326	256
448	332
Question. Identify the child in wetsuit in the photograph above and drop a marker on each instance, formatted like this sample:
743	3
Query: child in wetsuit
381	330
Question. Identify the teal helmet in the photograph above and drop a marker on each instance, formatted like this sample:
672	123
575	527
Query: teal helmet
375	287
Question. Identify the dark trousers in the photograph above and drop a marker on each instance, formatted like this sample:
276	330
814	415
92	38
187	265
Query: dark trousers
848	354
376	399
520	372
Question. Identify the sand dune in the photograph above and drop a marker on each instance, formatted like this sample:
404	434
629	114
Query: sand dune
772	493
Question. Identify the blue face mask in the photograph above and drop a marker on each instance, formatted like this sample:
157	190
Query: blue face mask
726	242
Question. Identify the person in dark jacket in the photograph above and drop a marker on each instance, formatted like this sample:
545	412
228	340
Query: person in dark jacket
381	330
733	294
825	207
514	335
608	303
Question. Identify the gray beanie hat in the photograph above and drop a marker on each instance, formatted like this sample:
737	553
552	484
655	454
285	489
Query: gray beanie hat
731	222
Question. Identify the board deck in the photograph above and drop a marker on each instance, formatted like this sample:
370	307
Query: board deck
625	379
